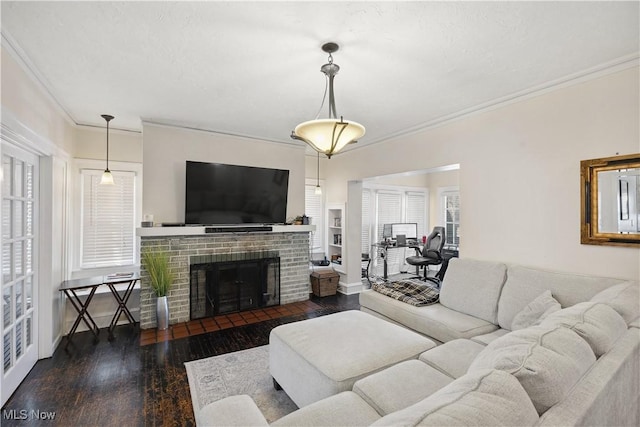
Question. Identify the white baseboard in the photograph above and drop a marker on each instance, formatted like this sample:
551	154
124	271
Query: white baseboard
350	288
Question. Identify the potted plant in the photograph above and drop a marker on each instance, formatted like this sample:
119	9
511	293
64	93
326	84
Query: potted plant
160	279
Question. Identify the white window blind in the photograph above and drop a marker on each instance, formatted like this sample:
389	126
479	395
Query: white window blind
389	210
416	211
451	203
108	219
366	221
314	208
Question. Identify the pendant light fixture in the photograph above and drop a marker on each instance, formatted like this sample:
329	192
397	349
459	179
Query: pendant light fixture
329	136
318	189
107	178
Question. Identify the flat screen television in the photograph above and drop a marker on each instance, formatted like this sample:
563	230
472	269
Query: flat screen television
229	194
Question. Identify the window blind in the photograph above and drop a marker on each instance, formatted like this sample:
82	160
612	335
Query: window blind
314	208
108	219
451	205
416	211
366	221
389	210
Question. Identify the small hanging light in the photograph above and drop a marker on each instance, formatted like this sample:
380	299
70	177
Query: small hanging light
318	188
331	135
107	177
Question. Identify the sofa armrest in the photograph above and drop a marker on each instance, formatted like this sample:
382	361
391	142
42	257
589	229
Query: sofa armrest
231	411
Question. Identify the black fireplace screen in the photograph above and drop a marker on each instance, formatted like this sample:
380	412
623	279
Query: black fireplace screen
228	283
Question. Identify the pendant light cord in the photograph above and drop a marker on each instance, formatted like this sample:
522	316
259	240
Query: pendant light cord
107	144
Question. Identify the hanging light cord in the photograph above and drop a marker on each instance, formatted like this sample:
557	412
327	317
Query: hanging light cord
107	144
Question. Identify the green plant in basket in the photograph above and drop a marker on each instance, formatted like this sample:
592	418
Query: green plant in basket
160	275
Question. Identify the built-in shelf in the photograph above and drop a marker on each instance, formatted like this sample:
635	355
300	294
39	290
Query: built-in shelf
335	244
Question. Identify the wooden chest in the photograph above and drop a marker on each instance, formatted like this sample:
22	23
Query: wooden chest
324	283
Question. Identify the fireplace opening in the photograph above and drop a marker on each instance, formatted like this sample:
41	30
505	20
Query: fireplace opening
234	282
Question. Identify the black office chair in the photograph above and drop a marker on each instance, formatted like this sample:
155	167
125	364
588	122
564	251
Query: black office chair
431	253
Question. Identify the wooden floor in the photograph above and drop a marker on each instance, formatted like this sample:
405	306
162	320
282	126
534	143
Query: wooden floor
124	383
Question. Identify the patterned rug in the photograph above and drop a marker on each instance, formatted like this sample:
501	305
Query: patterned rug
242	372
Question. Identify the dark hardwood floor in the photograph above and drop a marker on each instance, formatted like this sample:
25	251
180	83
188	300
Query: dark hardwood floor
122	383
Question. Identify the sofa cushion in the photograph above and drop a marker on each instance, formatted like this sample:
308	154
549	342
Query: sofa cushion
452	358
435	321
535	311
524	284
343	409
623	298
481	398
548	362
485	339
596	323
400	386
231	411
473	287
608	394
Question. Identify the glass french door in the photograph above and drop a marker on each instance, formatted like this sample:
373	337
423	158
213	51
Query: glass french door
19	280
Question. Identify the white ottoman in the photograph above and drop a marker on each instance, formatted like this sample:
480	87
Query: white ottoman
320	357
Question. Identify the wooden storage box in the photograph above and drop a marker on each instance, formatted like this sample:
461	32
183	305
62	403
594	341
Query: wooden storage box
324	283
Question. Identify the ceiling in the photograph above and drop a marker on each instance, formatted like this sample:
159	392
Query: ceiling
253	68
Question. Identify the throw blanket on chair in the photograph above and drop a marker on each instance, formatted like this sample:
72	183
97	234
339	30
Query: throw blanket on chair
412	291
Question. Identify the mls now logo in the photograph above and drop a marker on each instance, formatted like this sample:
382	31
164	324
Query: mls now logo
23	414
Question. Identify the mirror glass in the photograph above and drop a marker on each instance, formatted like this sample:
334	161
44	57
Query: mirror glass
610	210
619	201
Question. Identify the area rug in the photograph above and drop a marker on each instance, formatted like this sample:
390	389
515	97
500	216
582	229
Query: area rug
242	372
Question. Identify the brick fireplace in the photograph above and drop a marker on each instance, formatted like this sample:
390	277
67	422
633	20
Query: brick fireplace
185	249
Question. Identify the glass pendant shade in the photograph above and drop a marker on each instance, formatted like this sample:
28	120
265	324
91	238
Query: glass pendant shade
318	190
328	136
107	178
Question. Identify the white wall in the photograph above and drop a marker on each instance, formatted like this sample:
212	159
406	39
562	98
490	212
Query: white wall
27	103
519	172
166	149
91	143
37	123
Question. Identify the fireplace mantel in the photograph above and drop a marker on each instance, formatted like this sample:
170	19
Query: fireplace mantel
200	230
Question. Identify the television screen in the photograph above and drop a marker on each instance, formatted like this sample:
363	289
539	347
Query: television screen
230	194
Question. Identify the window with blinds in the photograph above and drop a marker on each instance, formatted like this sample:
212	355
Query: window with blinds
388	211
107	219
366	221
416	211
451	214
314	208
387	206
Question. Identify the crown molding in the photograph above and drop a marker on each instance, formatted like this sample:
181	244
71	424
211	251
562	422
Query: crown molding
21	57
173	125
21	135
611	67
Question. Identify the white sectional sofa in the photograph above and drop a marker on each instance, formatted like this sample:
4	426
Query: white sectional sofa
520	346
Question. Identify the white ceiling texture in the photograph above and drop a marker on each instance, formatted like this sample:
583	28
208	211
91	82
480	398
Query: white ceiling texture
253	68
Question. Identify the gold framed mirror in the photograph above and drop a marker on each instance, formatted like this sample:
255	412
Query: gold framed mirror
610	201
